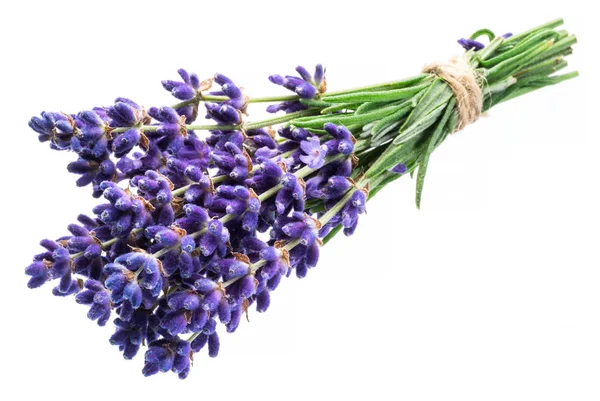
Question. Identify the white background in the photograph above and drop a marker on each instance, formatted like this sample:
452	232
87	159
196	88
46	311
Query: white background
490	292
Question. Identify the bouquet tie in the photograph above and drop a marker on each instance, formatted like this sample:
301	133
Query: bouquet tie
465	83
200	222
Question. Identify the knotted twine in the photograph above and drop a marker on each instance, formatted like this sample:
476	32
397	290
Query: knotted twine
465	83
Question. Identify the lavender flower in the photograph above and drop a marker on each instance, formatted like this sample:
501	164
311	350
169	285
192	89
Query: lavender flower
131	333
306	86
469	44
98	298
351	210
185	90
195	230
315	152
215	240
342	142
237	100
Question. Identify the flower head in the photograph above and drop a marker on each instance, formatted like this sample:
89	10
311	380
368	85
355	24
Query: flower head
469	44
314	152
306	86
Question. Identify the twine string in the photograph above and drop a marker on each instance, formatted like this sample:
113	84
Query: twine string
465	83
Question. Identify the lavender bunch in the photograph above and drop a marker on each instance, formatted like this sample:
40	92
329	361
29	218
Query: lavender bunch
193	230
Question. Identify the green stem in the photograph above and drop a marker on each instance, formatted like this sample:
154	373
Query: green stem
247	126
549	25
520	48
146	128
106	244
265	99
212	127
383	86
483	32
281	119
217	99
486	52
273	99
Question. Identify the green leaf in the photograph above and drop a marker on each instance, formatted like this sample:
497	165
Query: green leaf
367	107
518	90
385	122
386	136
392	156
310	203
560	48
314	103
365	158
346	119
332	234
546	67
429	108
451	126
438	93
507	67
338	107
534	39
317	209
419	126
431	144
424	115
549	25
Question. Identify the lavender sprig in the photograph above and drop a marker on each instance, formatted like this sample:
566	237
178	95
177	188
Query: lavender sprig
195	228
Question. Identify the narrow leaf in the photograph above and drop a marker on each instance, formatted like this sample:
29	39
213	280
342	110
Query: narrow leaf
433	140
332	234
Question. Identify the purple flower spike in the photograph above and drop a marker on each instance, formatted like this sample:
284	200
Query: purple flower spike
469	44
304	74
39	274
342	142
124	113
126	141
302	226
185	90
236	100
306	86
291	196
168	355
98	298
306	90
319	76
223	114
350	212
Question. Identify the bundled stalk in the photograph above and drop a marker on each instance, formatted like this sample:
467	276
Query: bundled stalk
196	228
